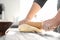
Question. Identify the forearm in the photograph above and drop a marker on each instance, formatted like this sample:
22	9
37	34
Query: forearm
57	18
37	5
58	14
34	9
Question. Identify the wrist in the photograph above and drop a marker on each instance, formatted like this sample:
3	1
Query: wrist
56	21
27	19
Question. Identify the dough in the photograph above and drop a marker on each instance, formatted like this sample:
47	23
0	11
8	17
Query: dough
36	24
30	27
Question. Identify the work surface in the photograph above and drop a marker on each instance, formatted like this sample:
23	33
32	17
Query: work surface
14	34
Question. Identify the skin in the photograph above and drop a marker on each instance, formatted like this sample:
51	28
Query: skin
34	9
49	24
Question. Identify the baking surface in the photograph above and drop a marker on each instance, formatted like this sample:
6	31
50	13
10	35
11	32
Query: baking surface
14	34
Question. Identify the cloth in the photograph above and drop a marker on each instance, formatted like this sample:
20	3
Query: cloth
14	34
40	2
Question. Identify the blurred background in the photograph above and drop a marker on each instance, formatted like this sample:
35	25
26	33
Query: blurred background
16	10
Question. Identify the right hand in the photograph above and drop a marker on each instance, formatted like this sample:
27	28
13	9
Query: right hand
50	24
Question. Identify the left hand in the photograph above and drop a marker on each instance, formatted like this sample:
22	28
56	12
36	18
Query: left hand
24	21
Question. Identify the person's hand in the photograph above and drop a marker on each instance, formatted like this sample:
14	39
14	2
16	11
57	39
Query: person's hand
24	21
50	24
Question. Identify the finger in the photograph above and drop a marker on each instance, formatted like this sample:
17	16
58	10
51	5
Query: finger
53	27
46	27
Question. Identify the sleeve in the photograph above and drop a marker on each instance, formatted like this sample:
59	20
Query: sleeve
58	4
40	2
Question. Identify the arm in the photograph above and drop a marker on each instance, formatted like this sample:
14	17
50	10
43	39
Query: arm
35	8
37	5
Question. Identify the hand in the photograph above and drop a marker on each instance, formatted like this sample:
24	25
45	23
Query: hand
24	21
50	24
